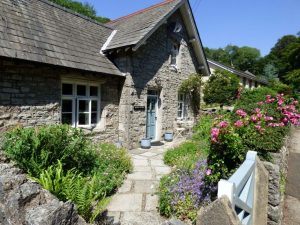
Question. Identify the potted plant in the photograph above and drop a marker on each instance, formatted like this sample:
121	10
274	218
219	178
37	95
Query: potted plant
146	143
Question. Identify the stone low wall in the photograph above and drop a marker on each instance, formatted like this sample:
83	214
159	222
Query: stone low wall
277	175
25	202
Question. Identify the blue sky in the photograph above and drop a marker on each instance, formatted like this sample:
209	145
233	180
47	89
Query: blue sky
255	23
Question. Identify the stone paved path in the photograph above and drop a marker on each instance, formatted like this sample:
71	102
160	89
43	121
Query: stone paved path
136	201
292	196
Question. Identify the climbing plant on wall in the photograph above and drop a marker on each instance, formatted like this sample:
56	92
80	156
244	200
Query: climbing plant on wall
192	88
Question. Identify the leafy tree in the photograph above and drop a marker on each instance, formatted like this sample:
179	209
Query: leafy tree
221	88
293	78
242	58
85	9
285	55
270	71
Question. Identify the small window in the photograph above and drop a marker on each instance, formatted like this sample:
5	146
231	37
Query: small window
182	110
250	83
174	54
80	108
244	81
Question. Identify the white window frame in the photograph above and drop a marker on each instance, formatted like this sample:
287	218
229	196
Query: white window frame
182	100
174	54
75	102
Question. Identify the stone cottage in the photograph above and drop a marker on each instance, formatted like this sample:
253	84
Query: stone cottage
118	81
247	79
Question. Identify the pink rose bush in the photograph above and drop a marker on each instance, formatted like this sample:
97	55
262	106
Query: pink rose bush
258	126
260	118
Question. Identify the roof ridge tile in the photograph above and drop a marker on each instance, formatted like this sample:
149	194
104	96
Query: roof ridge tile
141	11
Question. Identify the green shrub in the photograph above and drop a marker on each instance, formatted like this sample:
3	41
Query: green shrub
183	156
85	192
250	97
35	149
226	154
221	88
165	196
280	87
64	162
112	165
202	132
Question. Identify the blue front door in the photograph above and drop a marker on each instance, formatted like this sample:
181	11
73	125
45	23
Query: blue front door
151	116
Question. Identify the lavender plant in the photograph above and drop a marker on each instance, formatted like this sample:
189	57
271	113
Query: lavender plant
184	192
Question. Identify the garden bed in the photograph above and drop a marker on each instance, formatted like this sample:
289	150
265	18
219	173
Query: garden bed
63	160
259	122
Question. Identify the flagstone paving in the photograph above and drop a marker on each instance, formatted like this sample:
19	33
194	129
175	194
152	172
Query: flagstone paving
136	201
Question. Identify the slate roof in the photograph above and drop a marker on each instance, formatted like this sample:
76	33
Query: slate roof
246	74
133	28
40	31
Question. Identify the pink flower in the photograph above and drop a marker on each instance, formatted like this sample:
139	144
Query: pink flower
208	172
258	127
295	102
260	103
223	124
285	120
238	123
253	118
259	115
214	134
270	100
241	113
280	101
269	118
257	110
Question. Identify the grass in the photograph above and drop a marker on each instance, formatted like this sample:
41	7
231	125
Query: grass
187	154
183	156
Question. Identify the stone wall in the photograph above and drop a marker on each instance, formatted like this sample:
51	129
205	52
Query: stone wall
25	96
149	69
277	173
30	95
25	202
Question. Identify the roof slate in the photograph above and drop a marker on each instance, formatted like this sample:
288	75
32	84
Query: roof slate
131	29
246	74
40	31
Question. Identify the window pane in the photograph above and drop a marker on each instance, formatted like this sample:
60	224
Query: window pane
94	106
67	89
93	91
94	118
66	118
67	106
81	90
83	119
83	105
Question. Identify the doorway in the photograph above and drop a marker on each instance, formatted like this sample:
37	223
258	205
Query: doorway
151	124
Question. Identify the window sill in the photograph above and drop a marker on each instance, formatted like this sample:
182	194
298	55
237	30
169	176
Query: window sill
174	68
